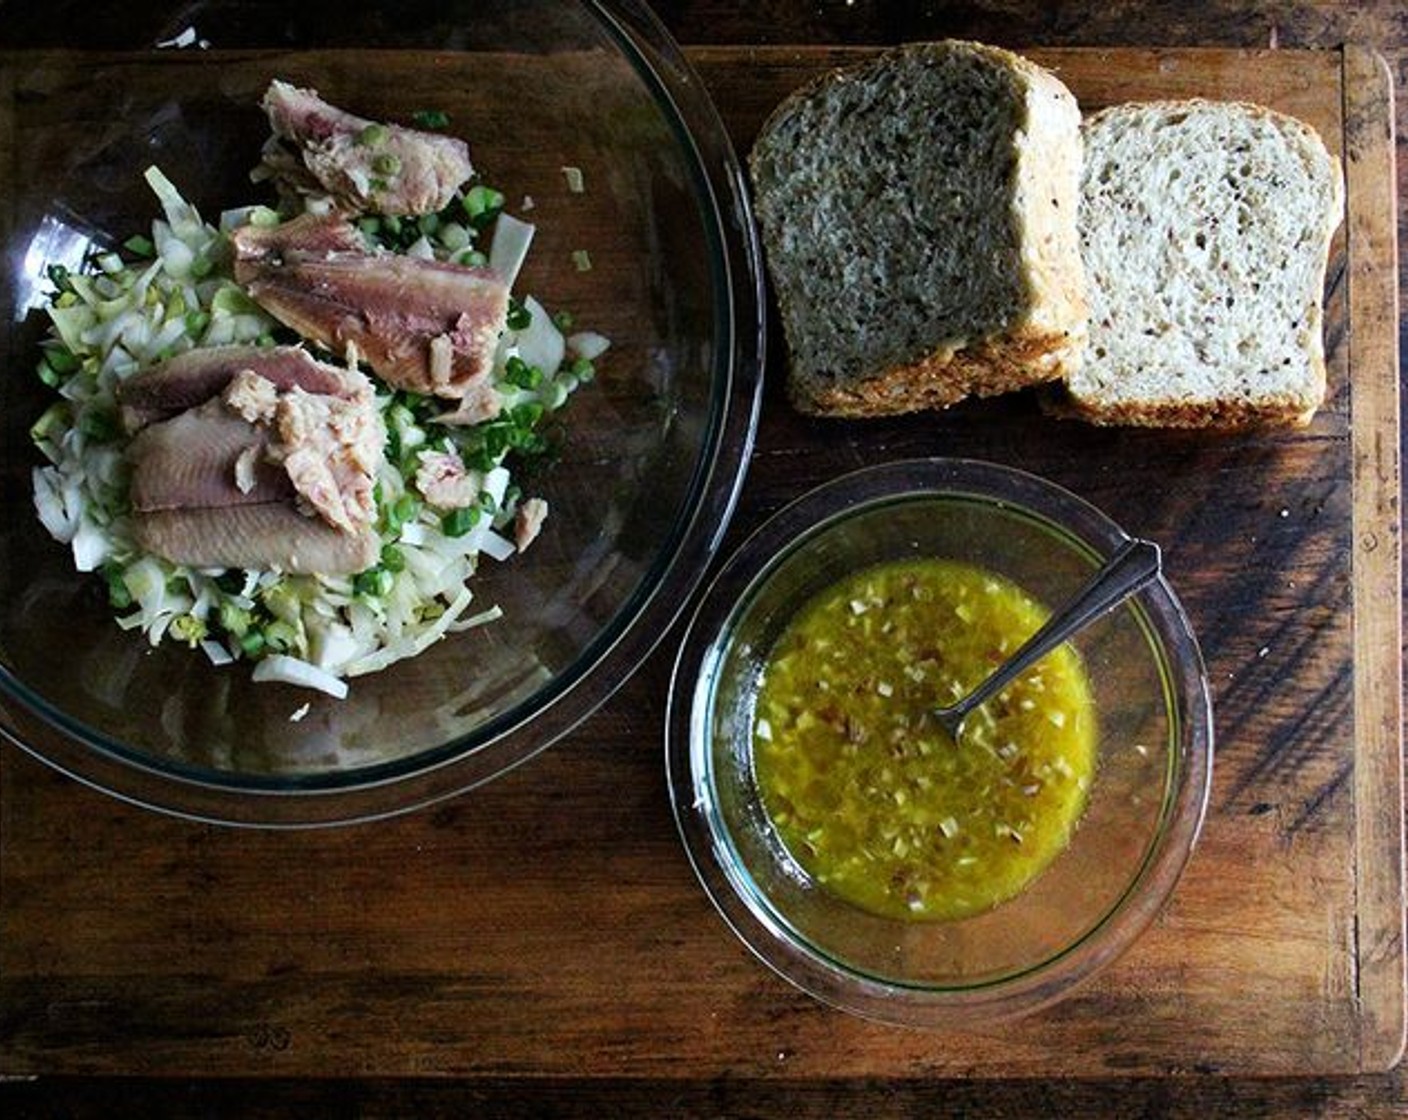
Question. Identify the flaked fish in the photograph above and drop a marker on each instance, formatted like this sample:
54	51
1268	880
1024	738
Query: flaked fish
312	234
196	376
365	165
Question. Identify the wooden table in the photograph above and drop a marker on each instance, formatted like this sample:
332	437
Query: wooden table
785	1082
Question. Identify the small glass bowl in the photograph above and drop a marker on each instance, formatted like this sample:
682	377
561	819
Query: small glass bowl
1146	803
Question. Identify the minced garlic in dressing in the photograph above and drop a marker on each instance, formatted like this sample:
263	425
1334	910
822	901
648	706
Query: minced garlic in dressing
869	794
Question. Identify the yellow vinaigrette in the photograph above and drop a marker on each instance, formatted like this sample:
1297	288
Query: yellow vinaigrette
867	791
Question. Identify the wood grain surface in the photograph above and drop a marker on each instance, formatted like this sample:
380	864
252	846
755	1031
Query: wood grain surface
282	958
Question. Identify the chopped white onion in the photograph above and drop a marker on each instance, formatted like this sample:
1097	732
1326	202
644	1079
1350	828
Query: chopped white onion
216	652
91	545
54	513
296	671
431	634
540	343
509	247
588	344
499	547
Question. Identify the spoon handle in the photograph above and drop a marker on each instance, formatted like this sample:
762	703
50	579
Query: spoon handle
1133	565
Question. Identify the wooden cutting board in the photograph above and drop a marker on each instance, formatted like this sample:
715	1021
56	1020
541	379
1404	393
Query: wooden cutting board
549	923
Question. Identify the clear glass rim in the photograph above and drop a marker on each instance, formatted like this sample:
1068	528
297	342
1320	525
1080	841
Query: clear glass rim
534	724
767	934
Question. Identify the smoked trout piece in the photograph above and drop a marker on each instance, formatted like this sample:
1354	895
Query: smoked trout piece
206	456
363	165
161	391
262	535
279	445
423	325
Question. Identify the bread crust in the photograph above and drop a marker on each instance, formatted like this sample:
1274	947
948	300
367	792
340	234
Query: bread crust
1274	411
1042	341
984	368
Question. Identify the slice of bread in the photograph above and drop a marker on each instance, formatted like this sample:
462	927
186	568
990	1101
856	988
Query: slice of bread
1205	229
918	217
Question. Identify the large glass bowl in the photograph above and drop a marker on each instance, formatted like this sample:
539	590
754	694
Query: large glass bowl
1146	802
653	451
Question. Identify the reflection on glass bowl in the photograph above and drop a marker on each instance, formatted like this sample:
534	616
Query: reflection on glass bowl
643	480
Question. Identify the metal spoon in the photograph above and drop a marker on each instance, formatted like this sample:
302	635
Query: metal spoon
1133	565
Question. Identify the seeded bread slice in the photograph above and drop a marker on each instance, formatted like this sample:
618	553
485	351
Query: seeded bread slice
918	218
1205	228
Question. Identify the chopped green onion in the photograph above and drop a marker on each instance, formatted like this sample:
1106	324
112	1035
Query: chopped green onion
234	619
422	405
59	277
280	636
139	246
392	558
61	360
57	365
98	424
118	594
453	236
231	300
526	415
520	374
387	163
188	628
403	510
458	522
373	583
482	205
53	418
563	320
519	317
431	118
373	135
581	260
